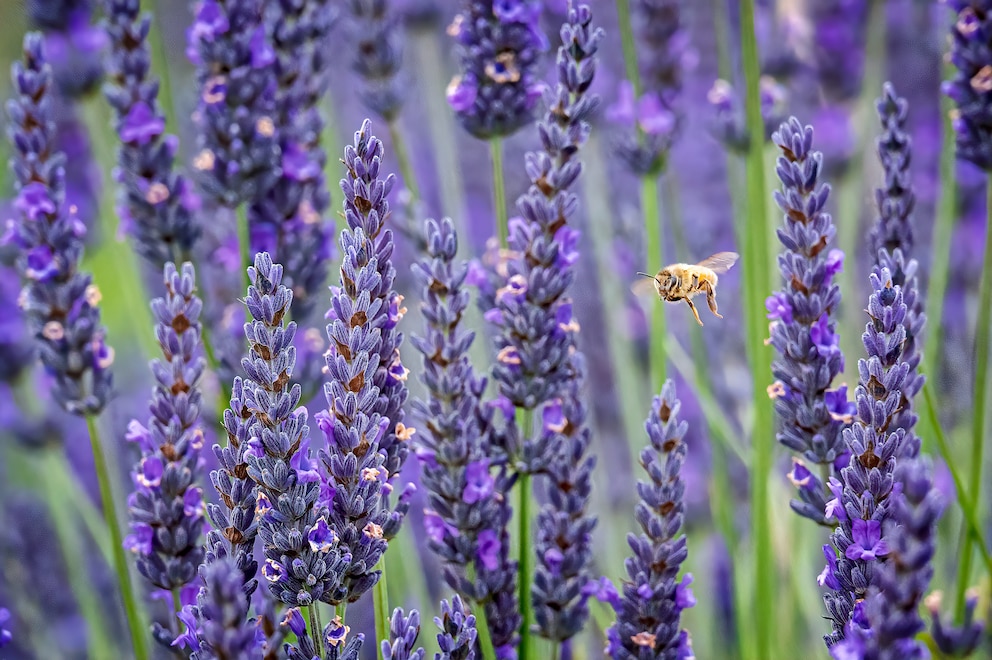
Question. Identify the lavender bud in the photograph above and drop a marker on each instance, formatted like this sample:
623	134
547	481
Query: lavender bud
499	44
971	86
166	509
225	631
337	643
895	201
648	614
60	302
403	633
956	641
728	124
811	416
378	59
458	632
154	203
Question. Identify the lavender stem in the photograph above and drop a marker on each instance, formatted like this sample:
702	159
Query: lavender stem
244	242
403	160
138	639
380	602
526	541
316	632
499	190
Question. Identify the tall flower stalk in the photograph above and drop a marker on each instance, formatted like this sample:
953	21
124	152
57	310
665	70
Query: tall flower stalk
60	302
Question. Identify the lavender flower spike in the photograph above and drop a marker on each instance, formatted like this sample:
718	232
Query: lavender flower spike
59	301
499	42
971	87
222	627
289	220
403	632
378	56
468	511
458	633
6	637
867	490
166	509
366	439
895	201
239	155
302	561
648	614
154	203
337	643
956	641
811	416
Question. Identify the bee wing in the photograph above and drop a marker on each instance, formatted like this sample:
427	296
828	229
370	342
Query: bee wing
644	288
720	262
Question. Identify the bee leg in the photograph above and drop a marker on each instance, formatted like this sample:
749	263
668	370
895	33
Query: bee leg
695	312
711	301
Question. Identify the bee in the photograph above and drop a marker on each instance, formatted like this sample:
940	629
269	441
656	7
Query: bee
683	281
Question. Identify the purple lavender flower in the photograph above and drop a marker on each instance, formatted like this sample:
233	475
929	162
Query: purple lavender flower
534	312
73	45
16	346
289	221
6	637
337	643
648	615
663	43
458	439
499	43
403	632
54	14
458	633
366	438
378	58
166	508
302	560
239	156
868	490
811	416
838	53
728	123
153	202
971	87
956	641
218	627
59	301
895	201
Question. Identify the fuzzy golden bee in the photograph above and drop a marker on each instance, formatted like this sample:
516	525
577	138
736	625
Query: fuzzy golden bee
684	281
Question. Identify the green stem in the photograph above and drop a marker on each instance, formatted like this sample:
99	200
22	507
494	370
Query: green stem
60	506
655	260
316	633
315	609
983	334
380	603
403	159
244	243
74	493
481	622
138	638
762	437
968	504
160	65
177	603
628	45
340	610
721	20
499	190
526	568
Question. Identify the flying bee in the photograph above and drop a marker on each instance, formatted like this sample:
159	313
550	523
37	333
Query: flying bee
684	281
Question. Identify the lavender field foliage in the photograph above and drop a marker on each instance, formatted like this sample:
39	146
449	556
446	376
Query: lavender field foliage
325	334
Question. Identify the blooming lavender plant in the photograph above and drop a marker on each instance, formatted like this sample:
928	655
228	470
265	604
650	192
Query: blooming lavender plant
458	633
302	561
971	86
468	511
647	624
289	221
863	496
154	203
338	645
218	626
499	43
239	157
895	200
60	302
728	124
378	56
811	416
366	438
166	508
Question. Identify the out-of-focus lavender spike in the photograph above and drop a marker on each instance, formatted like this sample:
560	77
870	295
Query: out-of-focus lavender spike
166	509
663	44
971	86
239	156
839	37
73	45
366	439
302	558
956	641
728	123
895	200
60	302
6	637
468	511
289	221
378	57
403	632
499	43
54	14
218	627
649	612
803	332
16	345
458	632
865	493
154	203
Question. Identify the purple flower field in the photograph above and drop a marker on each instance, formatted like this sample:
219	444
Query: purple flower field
496	329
